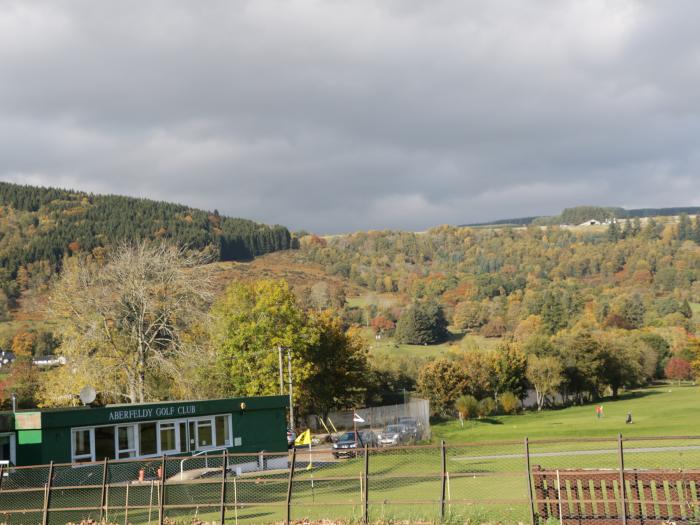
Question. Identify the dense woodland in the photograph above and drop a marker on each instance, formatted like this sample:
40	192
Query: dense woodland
591	310
39	227
575	313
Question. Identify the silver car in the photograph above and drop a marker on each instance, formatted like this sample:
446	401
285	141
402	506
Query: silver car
393	435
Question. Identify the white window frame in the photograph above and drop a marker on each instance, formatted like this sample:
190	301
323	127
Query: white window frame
135	429
91	436
175	424
211	419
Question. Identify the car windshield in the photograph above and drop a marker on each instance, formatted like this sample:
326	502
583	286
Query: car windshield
394	429
348	436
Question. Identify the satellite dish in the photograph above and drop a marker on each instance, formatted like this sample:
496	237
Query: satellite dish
87	395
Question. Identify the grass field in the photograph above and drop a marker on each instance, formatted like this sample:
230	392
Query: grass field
458	342
486	482
661	410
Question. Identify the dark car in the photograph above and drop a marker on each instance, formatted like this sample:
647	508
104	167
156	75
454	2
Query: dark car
369	438
347	445
412	427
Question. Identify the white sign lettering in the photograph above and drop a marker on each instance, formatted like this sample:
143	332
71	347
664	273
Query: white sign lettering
146	413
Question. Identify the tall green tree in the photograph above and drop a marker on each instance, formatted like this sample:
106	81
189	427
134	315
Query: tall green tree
250	323
422	323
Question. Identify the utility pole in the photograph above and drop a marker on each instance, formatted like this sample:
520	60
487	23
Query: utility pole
291	396
281	372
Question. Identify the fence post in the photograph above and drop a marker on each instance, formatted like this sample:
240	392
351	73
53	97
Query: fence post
443	478
161	491
529	481
366	487
104	491
623	490
224	468
289	485
45	516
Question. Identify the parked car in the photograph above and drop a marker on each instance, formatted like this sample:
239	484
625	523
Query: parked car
393	435
347	444
291	436
412	426
369	438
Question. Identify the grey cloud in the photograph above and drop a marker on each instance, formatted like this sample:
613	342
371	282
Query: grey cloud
335	116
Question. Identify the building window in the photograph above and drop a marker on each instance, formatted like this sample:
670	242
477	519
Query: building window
148	442
168	438
223	436
82	445
204	434
184	440
126	442
104	443
150	438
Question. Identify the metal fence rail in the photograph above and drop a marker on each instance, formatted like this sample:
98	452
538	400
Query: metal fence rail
627	481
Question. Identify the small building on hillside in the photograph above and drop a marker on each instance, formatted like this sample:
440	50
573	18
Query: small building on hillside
178	428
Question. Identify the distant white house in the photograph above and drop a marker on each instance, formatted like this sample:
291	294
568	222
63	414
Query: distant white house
49	360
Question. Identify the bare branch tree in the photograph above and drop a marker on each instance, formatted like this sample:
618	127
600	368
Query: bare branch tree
131	324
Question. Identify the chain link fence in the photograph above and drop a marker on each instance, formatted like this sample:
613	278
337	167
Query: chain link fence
414	414
630	481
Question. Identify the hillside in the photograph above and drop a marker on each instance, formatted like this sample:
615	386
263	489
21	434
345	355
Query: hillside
634	286
41	226
580	214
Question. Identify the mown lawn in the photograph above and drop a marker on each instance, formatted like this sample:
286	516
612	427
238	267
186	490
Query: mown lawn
656	411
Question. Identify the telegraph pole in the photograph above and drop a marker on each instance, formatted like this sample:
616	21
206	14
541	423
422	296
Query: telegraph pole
291	397
281	372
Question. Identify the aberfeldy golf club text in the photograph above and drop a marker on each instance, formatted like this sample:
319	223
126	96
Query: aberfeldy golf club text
145	413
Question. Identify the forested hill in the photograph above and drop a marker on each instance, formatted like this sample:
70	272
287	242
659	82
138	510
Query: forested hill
39	226
580	214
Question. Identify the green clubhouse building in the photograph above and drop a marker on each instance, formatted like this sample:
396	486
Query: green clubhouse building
177	428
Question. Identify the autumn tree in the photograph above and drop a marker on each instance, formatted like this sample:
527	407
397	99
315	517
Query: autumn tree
23	377
339	373
441	382
382	324
129	326
478	373
545	375
509	368
678	369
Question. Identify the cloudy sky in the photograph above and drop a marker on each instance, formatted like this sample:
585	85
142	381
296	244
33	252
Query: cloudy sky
340	115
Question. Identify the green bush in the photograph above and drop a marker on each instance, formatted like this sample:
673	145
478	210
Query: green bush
487	407
509	403
467	407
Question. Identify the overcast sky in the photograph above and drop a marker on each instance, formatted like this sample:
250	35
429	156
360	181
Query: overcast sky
342	115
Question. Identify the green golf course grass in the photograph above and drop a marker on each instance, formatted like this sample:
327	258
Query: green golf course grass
667	410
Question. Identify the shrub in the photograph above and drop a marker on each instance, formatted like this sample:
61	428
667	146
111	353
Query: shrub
467	407
509	403
487	407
